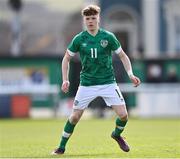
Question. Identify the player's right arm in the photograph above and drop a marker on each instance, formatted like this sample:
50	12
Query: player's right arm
65	72
72	49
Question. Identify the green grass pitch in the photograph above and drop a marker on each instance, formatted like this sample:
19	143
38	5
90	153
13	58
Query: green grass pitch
155	138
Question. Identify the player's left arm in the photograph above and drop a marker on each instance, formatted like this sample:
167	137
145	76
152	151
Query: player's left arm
128	67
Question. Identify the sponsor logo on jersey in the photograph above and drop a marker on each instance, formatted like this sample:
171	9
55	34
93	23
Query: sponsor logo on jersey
104	43
84	44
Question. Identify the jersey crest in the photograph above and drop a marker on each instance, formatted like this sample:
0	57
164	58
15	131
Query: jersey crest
104	43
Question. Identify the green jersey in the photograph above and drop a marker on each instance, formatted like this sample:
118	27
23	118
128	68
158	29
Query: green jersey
96	56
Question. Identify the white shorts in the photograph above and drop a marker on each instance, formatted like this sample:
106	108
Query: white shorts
109	92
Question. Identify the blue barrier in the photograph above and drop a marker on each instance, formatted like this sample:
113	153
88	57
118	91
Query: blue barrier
5	106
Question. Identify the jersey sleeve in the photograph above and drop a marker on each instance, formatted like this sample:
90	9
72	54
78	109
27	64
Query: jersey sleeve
115	44
73	47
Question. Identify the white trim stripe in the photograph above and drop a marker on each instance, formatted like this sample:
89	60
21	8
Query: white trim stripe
66	135
120	127
70	52
118	50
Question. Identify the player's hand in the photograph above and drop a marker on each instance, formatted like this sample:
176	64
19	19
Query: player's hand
135	80
65	86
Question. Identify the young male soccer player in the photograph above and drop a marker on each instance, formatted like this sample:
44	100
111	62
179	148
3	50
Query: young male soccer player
95	46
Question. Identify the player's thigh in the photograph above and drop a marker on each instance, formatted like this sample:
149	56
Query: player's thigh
83	97
121	111
112	95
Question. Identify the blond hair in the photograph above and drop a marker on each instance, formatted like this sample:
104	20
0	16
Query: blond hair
91	10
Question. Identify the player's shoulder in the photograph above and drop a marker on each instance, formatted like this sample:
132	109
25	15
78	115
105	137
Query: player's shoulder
106	32
80	35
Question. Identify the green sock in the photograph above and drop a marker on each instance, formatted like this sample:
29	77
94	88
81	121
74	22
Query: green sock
119	127
68	130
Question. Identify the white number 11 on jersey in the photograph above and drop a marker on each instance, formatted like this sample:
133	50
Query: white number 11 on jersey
93	52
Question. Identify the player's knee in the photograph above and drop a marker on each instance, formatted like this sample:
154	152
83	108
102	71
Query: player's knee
123	116
74	118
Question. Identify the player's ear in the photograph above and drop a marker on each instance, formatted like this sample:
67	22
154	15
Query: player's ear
99	19
84	21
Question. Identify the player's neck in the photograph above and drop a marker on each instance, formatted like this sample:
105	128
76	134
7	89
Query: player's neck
93	32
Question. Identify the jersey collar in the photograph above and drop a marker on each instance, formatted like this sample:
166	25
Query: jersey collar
94	35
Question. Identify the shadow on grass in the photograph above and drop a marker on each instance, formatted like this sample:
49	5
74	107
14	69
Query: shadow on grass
90	155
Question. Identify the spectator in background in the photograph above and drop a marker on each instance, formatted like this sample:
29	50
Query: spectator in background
37	76
16	6
154	74
172	75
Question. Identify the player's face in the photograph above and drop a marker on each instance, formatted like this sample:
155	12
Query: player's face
91	22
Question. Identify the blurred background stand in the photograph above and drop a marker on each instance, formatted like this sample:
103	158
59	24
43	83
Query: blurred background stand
15	101
16	6
172	75
155	99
